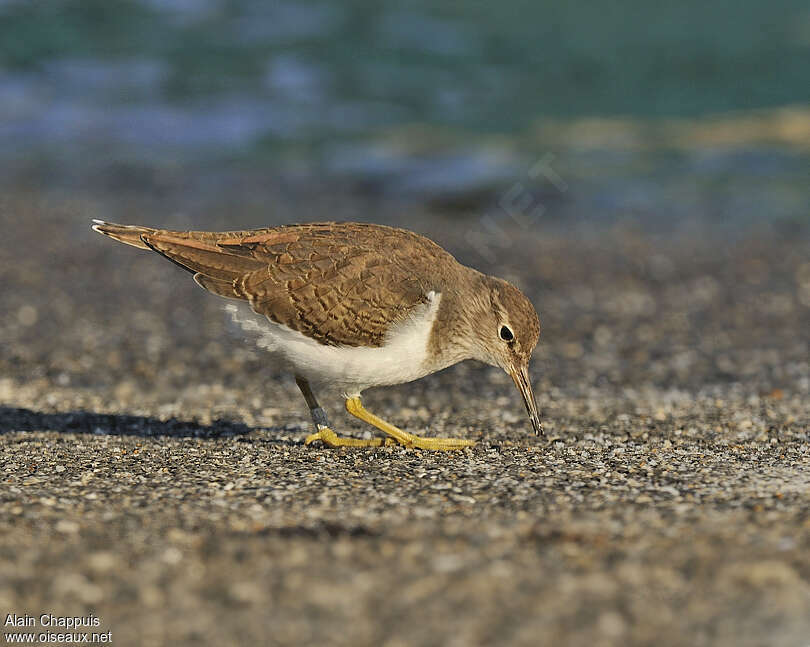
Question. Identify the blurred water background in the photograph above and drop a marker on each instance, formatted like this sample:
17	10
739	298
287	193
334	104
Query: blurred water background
655	112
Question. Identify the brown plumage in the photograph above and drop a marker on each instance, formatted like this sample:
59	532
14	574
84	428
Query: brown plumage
338	283
353	285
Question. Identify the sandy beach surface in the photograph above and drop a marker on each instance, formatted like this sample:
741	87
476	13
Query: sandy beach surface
153	468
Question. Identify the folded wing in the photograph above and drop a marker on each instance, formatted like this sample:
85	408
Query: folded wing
338	283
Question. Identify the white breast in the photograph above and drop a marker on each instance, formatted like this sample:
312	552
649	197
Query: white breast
349	369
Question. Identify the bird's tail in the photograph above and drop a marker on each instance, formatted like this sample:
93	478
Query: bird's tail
129	234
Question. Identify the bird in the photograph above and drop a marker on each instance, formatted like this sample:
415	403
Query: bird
349	305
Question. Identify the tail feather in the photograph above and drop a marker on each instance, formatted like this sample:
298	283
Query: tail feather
215	268
199	256
128	234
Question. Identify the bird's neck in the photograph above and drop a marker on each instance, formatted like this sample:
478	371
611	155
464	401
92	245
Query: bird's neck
463	299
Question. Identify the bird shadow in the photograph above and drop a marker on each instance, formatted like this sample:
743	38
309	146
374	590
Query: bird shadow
105	424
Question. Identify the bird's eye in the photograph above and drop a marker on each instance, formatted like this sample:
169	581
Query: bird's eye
506	333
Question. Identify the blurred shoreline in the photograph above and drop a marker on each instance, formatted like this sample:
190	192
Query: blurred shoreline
745	170
442	105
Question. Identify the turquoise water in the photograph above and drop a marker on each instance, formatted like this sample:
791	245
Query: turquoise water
360	65
319	85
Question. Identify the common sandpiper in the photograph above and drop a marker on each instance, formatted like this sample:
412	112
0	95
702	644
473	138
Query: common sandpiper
354	305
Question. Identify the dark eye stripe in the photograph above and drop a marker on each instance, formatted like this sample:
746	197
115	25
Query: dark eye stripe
506	334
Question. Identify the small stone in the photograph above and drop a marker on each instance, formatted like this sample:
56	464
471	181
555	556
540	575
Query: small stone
77	585
67	527
611	624
27	315
102	561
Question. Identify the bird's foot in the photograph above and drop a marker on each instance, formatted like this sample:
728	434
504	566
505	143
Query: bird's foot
355	407
426	442
331	439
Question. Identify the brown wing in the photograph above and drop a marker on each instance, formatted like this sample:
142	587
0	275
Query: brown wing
338	283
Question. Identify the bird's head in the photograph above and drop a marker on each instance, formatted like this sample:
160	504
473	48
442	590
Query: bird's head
506	331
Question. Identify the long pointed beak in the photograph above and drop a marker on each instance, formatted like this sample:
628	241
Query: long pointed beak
524	385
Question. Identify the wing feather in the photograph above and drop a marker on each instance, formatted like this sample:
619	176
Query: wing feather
338	283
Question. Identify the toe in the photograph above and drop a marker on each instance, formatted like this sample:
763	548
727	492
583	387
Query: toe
446	444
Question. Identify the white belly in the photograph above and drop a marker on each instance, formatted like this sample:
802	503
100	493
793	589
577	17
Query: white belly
348	369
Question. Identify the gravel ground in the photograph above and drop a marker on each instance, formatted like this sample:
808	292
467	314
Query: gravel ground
154	471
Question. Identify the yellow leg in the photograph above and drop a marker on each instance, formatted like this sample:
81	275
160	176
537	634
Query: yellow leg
331	439
355	407
321	422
